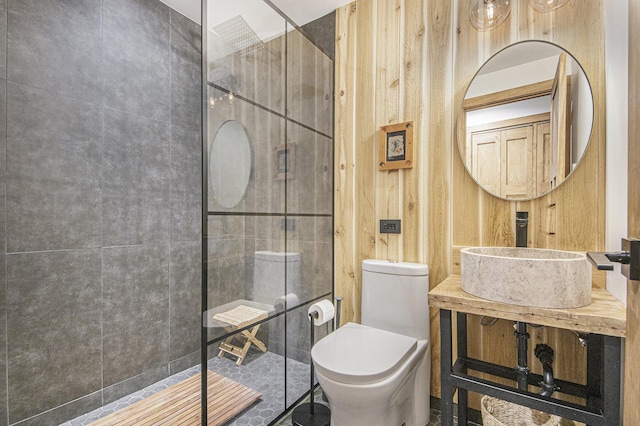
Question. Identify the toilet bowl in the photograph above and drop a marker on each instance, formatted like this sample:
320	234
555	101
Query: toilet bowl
378	373
377	378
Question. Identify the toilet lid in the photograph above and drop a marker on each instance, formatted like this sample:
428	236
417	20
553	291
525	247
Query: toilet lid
357	354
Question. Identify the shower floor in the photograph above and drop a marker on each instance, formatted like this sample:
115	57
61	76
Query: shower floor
262	372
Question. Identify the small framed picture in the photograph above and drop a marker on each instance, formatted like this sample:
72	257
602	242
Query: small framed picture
396	146
285	161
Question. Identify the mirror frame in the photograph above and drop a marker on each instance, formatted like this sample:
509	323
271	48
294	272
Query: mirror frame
529	91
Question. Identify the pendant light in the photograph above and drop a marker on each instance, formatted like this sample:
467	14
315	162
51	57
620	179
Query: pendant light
547	5
488	14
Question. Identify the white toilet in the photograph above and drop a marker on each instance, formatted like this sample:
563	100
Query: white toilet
377	373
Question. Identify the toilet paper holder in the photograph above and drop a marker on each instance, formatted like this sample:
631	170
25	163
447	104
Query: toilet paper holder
313	413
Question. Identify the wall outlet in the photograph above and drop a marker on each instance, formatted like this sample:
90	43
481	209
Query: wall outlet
390	226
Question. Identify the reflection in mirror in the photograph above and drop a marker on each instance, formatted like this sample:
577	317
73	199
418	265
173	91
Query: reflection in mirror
229	163
525	121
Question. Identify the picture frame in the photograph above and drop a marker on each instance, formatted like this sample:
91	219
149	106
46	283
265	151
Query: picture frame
284	161
395	147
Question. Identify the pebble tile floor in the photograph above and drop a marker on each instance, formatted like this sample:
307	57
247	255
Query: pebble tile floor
261	372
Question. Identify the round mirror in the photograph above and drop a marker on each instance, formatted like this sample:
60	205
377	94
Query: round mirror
230	163
525	120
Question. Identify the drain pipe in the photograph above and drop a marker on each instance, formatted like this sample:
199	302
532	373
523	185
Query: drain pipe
545	354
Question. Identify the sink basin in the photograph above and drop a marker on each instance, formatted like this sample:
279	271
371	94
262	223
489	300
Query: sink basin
527	276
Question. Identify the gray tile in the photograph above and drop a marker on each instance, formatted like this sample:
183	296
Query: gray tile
3	162
137	57
311	189
136	188
133	384
56	46
323	32
3	342
301	196
135	284
324	175
53	326
301	79
185	298
3	39
186	79
185	362
54	150
186	184
65	412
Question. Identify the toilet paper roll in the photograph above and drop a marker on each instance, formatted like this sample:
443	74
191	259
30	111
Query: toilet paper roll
288	301
324	310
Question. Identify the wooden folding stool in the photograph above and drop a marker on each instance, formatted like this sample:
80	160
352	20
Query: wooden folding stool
239	317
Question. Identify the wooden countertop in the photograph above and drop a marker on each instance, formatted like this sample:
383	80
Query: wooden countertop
605	315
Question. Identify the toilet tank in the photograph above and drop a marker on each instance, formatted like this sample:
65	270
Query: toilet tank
270	270
395	297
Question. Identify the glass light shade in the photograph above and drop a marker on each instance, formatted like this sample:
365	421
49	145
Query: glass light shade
487	14
547	5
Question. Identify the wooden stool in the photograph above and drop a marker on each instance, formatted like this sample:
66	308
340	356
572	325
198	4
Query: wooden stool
239	317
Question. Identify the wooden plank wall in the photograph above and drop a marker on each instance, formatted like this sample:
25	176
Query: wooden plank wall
632	363
395	62
569	218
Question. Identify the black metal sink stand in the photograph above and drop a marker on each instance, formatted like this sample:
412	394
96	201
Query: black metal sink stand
602	391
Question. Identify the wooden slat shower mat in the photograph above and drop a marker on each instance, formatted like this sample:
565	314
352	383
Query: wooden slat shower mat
180	404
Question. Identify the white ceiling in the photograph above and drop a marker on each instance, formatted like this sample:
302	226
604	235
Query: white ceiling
301	11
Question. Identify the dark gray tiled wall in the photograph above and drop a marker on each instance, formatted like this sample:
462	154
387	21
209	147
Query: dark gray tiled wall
135	186
185	287
3	39
53	324
186	195
135	303
323	32
100	187
185	69
54	151
3	164
137	57
3	339
56	45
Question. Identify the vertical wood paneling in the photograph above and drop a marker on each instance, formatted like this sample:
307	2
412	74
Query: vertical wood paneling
387	102
632	363
436	166
411	82
571	217
440	204
346	267
579	210
365	140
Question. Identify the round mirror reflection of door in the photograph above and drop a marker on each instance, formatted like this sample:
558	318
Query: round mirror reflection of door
525	121
229	164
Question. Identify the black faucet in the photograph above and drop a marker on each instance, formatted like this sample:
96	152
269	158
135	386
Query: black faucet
522	221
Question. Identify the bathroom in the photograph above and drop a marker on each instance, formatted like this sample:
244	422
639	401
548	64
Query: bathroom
102	243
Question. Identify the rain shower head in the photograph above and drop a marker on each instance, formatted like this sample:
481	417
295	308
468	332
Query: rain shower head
239	35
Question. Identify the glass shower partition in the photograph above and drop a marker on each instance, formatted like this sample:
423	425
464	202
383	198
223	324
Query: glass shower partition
268	215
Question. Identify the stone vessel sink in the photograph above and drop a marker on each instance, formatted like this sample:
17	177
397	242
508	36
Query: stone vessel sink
527	276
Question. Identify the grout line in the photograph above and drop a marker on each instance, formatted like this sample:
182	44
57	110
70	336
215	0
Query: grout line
102	223
171	216
5	266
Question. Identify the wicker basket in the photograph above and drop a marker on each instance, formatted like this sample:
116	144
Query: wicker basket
496	412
